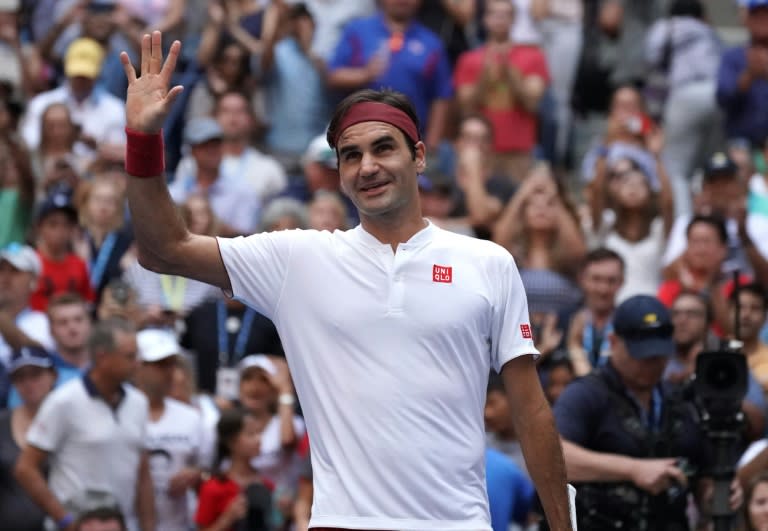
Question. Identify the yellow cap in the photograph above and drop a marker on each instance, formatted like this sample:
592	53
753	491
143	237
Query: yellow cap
83	59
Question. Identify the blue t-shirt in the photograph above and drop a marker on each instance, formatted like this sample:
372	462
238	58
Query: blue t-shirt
65	372
510	492
746	114
418	67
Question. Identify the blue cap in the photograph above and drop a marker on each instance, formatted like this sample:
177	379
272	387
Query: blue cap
30	357
753	4
645	325
201	130
58	200
720	164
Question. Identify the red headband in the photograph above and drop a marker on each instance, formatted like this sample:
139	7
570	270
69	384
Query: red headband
373	111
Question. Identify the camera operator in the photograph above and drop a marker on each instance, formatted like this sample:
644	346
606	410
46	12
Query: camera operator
631	443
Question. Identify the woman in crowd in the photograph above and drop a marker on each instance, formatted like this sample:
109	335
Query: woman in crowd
58	136
236	497
17	193
33	376
755	509
104	241
327	212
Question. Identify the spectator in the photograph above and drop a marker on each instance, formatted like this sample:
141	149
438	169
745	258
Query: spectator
331	16
70	323
556	373
58	143
510	492
499	432
104	241
296	94
164	15
392	50
236	495
755	509
439	199
302	506
452	21
505	82
600	280
62	270
632	214
101	519
17	193
742	85
32	375
284	213
175	437
241	161
327	211
19	275
119	299
234	201
100	116
94	430
685	50
753	310
199	217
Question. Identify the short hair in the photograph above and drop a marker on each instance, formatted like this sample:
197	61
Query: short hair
714	221
103	514
388	97
66	299
477	117
102	337
702	299
753	288
686	8
281	207
602	254
233	92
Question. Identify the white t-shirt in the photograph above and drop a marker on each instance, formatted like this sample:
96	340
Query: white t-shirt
272	463
174	443
92	446
262	172
390	353
35	325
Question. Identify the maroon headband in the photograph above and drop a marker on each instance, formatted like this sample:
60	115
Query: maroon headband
373	111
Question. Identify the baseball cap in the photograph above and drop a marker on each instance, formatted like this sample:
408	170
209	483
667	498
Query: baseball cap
259	361
202	129
753	4
156	345
320	151
29	357
22	257
83	58
435	181
719	164
645	325
58	199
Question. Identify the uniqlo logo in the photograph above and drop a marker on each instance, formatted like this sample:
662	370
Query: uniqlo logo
525	329
442	274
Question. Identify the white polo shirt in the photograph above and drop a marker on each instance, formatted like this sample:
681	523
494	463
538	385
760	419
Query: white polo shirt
92	446
390	354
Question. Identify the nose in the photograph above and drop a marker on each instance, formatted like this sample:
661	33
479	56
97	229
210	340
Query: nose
368	165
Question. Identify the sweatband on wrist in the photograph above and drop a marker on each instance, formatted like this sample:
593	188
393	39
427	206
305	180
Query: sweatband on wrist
65	521
144	153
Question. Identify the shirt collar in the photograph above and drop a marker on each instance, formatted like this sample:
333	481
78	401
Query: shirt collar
90	388
421	238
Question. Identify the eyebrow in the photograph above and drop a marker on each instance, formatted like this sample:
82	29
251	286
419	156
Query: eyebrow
381	140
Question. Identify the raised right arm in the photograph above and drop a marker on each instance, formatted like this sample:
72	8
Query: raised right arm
164	244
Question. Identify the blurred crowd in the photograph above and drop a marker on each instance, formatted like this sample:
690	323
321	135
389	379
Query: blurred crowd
616	148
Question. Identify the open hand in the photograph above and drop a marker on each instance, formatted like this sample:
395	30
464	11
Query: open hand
149	100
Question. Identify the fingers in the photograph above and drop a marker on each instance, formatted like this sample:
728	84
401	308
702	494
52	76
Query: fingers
678	475
172	95
146	53
130	72
170	62
156	57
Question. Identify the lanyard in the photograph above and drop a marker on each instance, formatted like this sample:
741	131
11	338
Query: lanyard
98	265
173	291
652	417
223	333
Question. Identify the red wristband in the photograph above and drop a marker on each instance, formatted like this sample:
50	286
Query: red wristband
144	154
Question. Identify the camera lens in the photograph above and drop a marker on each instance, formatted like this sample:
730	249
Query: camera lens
722	374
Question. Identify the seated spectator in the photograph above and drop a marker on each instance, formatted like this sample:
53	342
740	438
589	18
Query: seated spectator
505	82
742	91
234	201
391	49
295	89
327	211
723	194
104	241
62	270
19	273
632	214
99	115
556	372
236	495
17	193
600	280
499	431
284	213
753	310
33	375
241	161
101	519
439	199
199	217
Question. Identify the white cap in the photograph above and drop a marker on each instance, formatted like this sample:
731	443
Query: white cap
320	151
22	257
260	361
156	345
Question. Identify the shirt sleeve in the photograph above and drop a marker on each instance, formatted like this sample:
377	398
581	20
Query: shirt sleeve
537	66
348	45
257	266
442	85
511	333
574	413
731	67
51	424
465	72
208	506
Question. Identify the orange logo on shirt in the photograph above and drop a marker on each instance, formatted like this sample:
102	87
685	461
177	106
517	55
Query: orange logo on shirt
442	274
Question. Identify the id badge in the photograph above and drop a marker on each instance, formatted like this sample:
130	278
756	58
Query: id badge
227	382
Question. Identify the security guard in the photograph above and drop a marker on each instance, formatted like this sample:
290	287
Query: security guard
631	444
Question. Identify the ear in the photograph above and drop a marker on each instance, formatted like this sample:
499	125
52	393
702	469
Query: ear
421	157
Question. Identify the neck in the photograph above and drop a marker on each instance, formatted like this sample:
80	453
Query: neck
234	146
15	308
156	403
643	396
396	25
98	233
206	178
394	231
51	252
499	39
75	356
601	316
107	387
28	411
241	467
539	250
751	344
56	148
633	224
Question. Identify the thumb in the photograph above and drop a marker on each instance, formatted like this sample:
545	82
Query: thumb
171	96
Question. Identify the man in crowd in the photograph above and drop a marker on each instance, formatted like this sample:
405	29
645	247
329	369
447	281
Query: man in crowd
174	433
392	50
101	519
753	310
506	83
92	432
601	278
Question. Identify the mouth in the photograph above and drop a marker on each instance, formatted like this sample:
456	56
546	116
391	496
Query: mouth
373	188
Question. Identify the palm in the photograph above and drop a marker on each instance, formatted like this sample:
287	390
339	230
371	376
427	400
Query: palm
149	99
